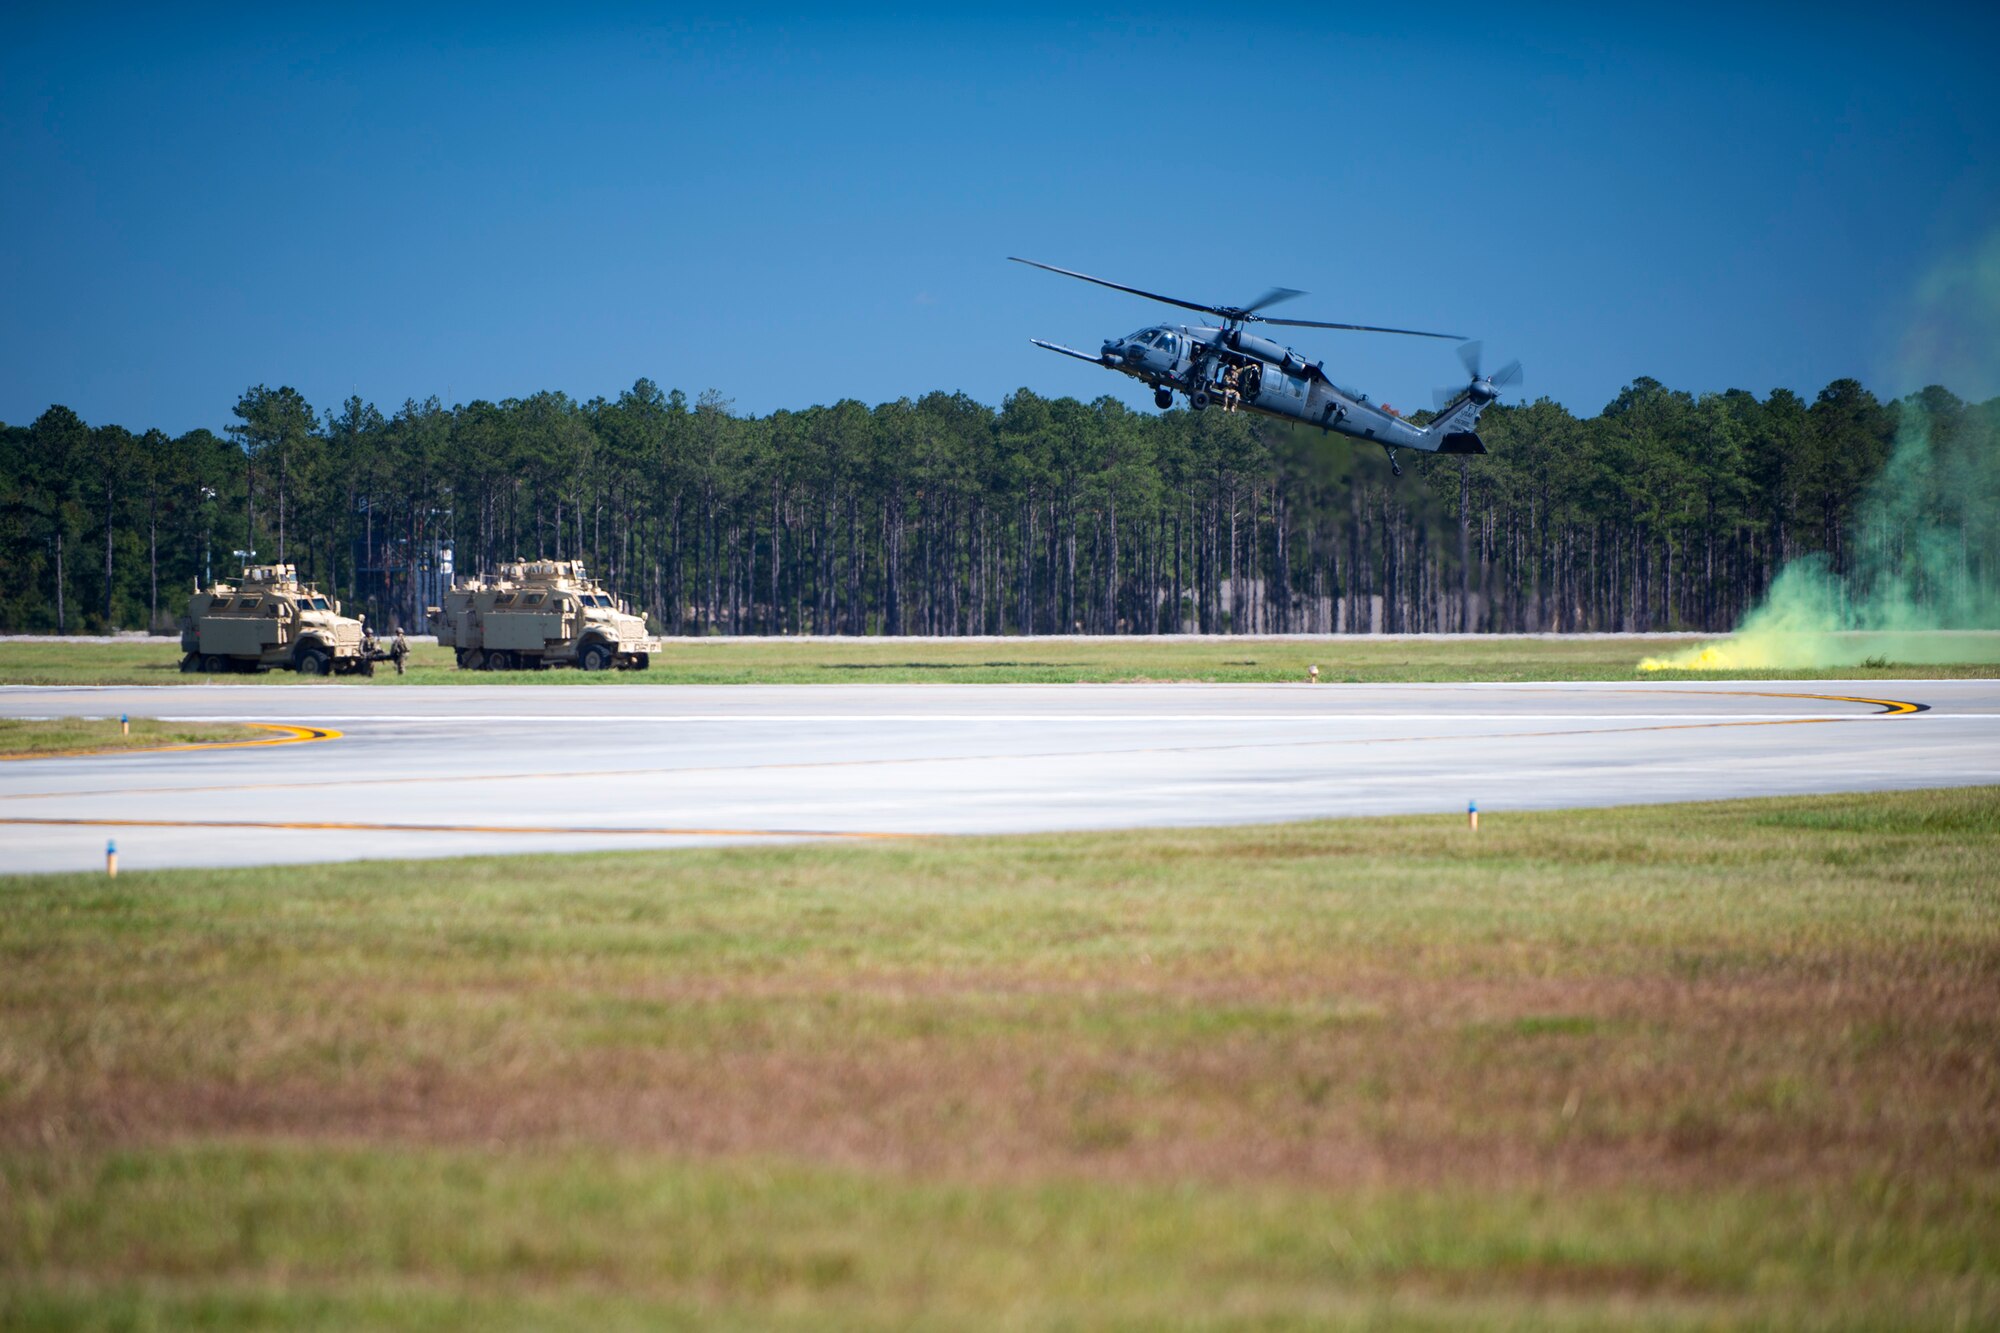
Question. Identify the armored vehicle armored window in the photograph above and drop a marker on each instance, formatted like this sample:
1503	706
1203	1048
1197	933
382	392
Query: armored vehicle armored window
247	603
534	599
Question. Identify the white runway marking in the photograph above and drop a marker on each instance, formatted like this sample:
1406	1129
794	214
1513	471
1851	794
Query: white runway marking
456	770
1008	719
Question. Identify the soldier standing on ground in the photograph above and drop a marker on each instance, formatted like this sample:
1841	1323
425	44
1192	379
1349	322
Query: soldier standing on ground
399	648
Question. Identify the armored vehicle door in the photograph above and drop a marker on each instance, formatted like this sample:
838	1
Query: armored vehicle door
527	626
232	628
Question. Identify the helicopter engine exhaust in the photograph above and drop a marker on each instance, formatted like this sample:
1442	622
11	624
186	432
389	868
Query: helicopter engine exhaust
1251	345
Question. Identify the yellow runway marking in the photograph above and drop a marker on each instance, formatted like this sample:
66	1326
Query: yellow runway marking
291	735
1889	707
352	826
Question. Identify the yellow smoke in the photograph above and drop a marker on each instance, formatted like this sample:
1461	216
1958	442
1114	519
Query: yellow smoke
1749	653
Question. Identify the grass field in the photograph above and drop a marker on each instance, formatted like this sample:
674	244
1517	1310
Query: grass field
891	661
75	735
1731	1065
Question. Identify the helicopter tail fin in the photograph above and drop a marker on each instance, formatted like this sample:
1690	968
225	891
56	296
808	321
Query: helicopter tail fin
1452	432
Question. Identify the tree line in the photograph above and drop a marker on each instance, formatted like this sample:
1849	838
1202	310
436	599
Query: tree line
941	515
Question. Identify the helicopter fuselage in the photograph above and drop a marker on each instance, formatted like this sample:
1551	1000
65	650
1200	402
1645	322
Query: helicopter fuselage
1234	370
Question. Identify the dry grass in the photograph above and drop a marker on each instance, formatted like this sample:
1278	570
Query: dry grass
1735	1064
48	737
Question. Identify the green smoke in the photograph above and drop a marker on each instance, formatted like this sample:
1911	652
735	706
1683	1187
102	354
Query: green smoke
1922	564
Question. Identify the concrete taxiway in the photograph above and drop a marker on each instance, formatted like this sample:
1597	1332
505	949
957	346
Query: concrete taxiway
440	771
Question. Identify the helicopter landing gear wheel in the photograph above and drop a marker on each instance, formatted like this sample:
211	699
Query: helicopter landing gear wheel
1163	398
1198	399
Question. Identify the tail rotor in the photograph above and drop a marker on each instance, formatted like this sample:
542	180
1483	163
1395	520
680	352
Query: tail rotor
1483	388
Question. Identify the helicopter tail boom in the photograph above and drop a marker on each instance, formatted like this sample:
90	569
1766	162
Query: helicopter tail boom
1452	432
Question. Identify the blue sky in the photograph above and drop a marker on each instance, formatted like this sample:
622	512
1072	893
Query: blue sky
798	206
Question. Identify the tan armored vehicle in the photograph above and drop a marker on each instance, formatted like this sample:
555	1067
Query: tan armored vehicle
536	613
269	619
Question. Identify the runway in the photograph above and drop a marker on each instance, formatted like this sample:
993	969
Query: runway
447	771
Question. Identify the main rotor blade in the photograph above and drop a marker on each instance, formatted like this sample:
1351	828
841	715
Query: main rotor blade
1119	286
1271	298
1358	328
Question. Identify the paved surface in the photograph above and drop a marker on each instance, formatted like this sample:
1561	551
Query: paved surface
433	771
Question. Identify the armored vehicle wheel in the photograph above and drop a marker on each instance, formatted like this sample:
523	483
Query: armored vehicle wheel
191	663
640	661
215	664
472	659
312	662
1163	398
595	657
1198	400
499	661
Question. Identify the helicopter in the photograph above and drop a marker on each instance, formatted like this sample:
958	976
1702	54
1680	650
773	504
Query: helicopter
1229	367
